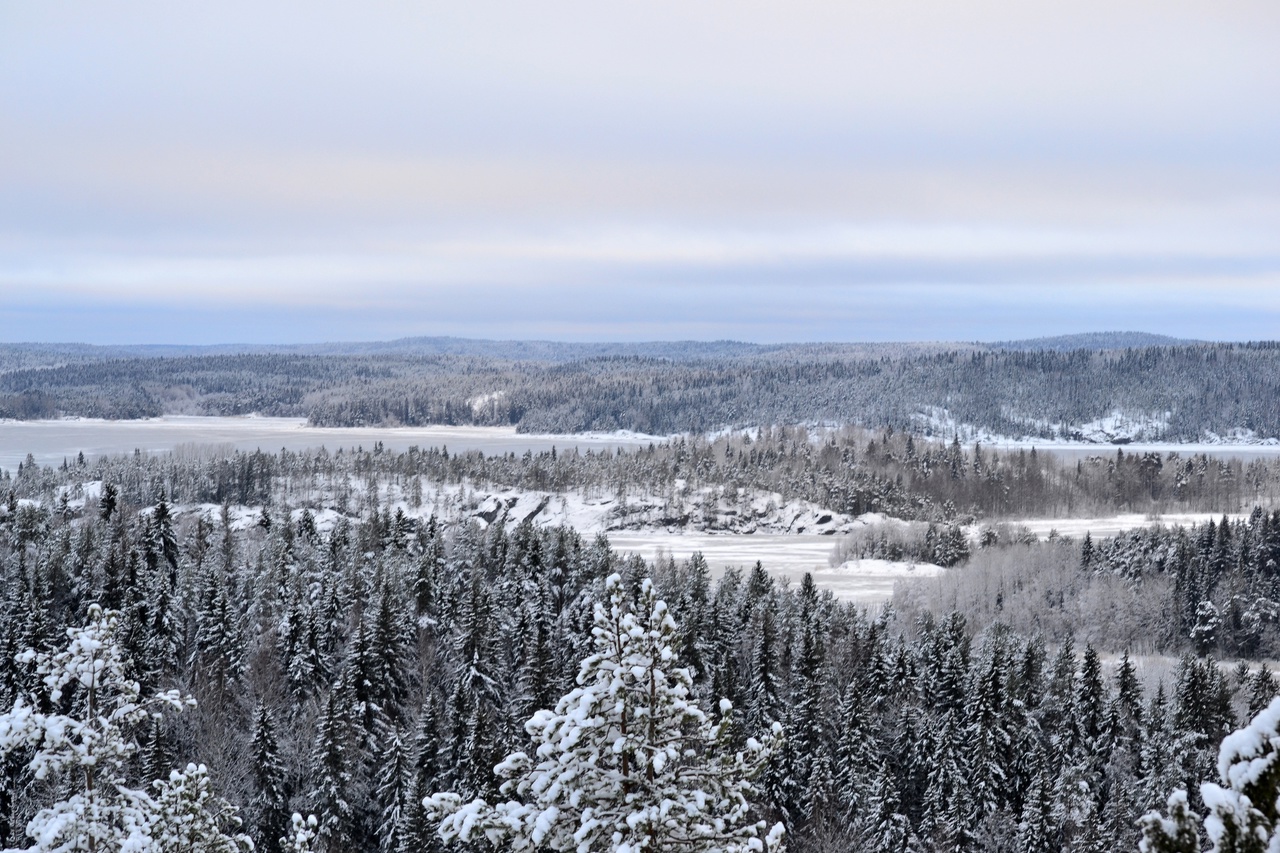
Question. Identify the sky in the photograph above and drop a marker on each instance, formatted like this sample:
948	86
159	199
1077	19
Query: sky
277	172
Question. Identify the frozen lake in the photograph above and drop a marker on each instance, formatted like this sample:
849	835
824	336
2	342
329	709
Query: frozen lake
52	441
786	556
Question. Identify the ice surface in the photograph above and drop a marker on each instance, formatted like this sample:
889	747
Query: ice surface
52	441
1111	525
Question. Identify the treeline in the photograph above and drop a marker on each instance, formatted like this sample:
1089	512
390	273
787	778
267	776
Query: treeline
848	471
352	672
1172	393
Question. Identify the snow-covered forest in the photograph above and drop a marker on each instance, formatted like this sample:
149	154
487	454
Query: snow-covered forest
365	636
681	482
1103	389
664	427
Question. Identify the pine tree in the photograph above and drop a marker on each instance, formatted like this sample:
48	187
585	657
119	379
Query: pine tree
1244	809
184	815
856	761
1178	833
420	835
393	793
388	658
157	758
219	646
86	755
626	761
1158	763
1089	709
165	540
948	805
1037	831
987	734
1262	689
764	693
807	737
107	501
695	605
426	582
883	828
1128	707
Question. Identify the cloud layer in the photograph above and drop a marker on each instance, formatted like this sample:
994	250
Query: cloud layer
658	170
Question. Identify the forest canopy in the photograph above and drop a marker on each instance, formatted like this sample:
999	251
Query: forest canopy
1164	392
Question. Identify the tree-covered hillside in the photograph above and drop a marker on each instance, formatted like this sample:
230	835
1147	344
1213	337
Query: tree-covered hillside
1170	393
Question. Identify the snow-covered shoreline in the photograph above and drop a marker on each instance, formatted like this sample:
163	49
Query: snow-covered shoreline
51	441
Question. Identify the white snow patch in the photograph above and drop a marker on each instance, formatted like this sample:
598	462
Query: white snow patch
786	557
479	403
1137	431
1105	525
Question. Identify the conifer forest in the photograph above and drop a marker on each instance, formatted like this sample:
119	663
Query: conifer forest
664	427
1165	389
364	649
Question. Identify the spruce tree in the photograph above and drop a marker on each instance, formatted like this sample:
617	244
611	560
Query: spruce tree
987	735
394	789
271	795
856	761
883	828
331	767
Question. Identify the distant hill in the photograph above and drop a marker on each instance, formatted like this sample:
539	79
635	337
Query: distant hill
30	354
19	356
1094	341
1101	388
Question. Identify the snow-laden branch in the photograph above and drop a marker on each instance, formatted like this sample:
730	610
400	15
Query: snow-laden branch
88	753
626	761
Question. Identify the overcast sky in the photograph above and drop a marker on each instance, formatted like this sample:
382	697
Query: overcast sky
906	170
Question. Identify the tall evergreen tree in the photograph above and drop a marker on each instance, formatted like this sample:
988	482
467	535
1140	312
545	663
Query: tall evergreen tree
271	795
331	766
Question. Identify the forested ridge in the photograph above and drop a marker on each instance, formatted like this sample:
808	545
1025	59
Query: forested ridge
1164	392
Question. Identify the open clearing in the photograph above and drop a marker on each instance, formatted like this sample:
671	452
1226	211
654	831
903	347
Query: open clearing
786	556
1076	528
